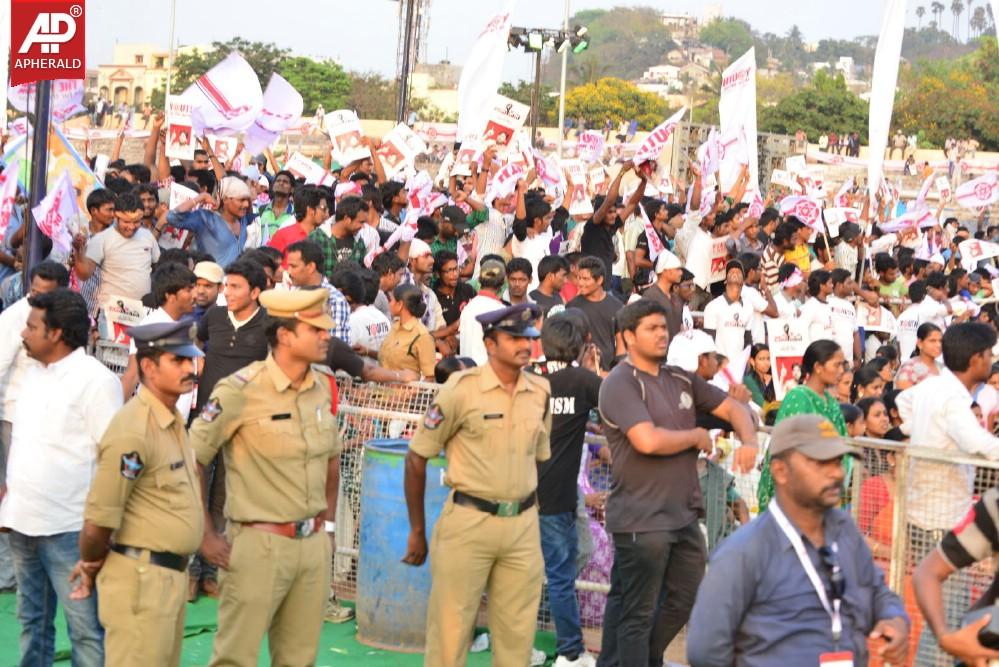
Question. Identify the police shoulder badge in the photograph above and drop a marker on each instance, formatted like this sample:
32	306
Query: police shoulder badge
131	465
433	418
211	410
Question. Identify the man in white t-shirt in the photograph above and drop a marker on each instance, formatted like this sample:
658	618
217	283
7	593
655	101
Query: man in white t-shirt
816	314
908	320
935	308
844	313
757	298
729	317
368	325
125	253
173	289
492	275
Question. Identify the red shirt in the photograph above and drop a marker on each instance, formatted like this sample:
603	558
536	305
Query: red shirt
284	237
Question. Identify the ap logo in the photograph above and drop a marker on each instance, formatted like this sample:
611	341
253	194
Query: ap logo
50	30
50	40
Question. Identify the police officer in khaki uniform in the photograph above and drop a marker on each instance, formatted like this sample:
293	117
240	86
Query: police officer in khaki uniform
145	502
493	424
273	422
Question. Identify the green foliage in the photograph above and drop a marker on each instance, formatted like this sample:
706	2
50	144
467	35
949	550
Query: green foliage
624	43
319	82
618	100
733	36
952	98
372	95
825	105
932	44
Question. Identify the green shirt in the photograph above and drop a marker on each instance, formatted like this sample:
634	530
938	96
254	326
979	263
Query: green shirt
336	251
801	400
270	222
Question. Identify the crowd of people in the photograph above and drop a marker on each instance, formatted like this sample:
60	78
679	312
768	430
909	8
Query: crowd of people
541	327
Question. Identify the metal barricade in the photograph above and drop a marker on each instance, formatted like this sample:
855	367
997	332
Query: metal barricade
113	355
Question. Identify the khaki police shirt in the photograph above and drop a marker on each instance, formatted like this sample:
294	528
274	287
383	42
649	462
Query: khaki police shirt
276	440
146	487
408	347
493	440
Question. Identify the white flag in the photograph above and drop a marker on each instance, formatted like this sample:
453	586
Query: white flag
66	99
806	209
226	99
737	111
979	192
8	195
883	89
282	108
54	213
974	251
653	144
481	74
655	243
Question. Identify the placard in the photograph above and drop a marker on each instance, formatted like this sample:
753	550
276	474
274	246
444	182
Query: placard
399	149
719	258
345	131
122	313
179	129
787	340
795	164
943	188
224	147
505	117
579	202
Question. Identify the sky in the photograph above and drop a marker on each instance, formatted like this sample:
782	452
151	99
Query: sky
362	36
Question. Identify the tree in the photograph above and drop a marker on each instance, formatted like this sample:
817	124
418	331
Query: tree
979	21
263	57
920	13
956	7
618	100
826	105
968	4
373	96
733	36
938	9
318	81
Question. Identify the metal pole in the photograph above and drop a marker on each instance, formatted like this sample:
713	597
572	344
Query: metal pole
173	26
38	176
561	87
536	98
406	64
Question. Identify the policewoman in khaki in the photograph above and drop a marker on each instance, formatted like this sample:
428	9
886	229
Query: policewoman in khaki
273	422
145	501
493	424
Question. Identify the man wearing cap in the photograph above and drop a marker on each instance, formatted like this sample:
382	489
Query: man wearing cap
493	424
273	422
222	234
798	585
418	272
668	274
452	226
145	506
492	275
207	286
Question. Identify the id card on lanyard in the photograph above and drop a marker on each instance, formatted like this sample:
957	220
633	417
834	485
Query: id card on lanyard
839	659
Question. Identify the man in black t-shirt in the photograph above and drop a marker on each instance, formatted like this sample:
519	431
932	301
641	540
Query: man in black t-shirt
649	412
552	270
599	307
598	234
574	392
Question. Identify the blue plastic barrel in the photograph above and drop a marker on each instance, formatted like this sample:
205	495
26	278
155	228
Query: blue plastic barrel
392	596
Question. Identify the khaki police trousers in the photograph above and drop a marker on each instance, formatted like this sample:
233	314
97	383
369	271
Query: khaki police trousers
142	610
276	586
471	552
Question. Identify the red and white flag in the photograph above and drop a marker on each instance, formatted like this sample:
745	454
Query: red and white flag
806	209
482	73
505	181
8	195
54	212
226	99
842	199
282	108
653	144
591	146
655	243
974	251
979	192
709	155
916	217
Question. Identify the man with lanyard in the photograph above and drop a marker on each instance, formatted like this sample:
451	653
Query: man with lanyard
279	212
798	586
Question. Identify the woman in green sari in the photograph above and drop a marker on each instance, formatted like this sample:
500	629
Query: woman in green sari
823	365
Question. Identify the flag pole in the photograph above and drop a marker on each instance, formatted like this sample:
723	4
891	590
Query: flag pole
37	183
173	27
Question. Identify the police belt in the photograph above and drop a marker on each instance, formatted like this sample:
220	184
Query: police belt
513	508
162	558
291	529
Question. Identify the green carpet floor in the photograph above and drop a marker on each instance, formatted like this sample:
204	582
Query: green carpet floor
337	648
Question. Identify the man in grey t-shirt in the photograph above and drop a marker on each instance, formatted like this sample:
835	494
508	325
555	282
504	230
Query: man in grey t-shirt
125	253
649	413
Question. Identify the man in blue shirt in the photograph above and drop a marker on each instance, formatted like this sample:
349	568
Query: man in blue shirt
797	585
222	234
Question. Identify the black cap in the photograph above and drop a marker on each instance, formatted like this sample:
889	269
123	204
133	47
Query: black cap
173	337
456	217
515	320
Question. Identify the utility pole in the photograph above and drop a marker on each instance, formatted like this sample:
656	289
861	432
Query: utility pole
561	87
39	175
536	98
407	53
